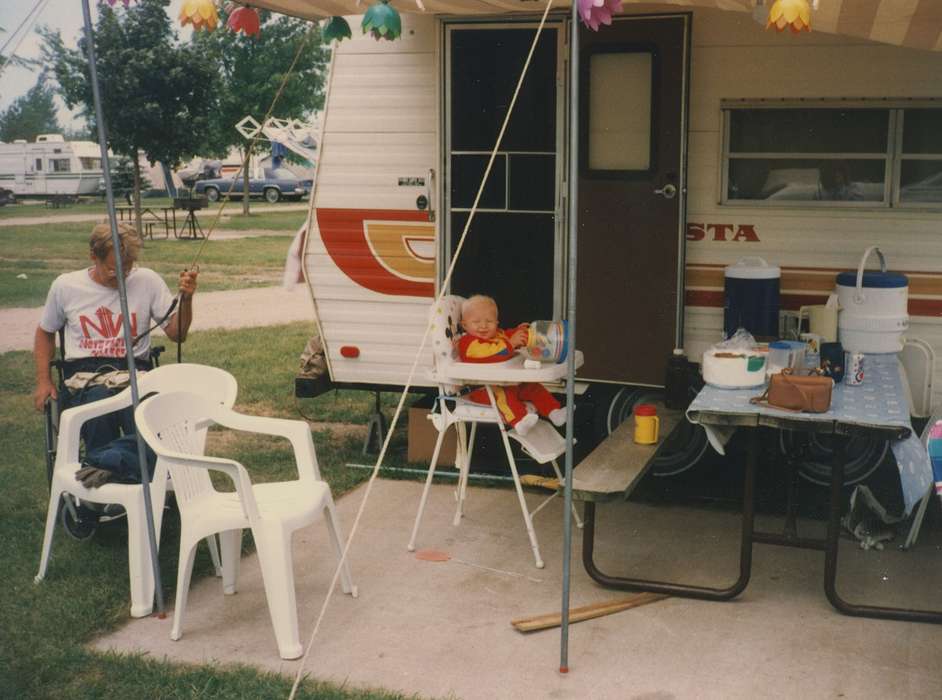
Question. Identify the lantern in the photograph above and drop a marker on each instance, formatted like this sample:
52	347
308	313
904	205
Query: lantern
336	29
596	12
794	14
382	21
200	13
245	20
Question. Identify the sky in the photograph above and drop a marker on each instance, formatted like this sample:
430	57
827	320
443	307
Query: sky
64	15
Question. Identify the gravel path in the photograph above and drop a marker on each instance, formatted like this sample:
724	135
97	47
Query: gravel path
237	308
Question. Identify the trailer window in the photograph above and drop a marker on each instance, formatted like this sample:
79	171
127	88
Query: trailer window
920	179
832	156
60	165
620	111
91	163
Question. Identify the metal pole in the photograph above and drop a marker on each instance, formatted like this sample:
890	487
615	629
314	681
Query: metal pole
123	297
573	212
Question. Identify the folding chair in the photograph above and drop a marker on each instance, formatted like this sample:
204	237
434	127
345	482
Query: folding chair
174	424
542	442
216	384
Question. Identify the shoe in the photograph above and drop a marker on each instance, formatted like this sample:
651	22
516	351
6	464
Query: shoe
558	417
524	425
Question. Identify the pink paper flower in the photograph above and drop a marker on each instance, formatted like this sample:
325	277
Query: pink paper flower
596	12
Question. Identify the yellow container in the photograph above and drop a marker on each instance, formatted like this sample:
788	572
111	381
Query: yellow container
647	424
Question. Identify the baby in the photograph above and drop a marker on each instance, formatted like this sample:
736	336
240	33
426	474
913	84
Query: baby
483	341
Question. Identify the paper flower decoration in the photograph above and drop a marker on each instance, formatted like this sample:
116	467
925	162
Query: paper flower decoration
382	21
200	13
596	12
126	3
794	14
245	20
336	29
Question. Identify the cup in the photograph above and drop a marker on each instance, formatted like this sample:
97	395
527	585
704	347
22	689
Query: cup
812	343
822	320
854	368
832	360
786	354
647	424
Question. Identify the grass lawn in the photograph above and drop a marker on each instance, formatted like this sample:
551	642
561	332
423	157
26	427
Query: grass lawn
41	252
87	205
44	628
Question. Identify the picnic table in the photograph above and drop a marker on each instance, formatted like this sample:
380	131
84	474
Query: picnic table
167	216
877	408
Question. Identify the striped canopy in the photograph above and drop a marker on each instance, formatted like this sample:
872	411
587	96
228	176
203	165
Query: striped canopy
913	23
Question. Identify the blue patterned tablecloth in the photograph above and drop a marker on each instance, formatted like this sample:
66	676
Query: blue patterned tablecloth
880	402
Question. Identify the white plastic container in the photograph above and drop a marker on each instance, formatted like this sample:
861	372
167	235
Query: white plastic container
873	308
733	369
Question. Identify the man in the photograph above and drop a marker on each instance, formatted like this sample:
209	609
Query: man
87	305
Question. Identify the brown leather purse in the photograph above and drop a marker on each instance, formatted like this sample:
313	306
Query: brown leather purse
792	392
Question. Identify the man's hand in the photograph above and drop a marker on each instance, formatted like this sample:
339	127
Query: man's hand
519	337
43	391
188	283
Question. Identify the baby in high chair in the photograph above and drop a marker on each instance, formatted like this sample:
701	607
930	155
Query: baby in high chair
484	341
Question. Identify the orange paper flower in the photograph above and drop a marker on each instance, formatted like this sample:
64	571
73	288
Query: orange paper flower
794	14
200	13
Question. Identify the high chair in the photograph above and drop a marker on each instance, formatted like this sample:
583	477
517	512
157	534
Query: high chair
542	442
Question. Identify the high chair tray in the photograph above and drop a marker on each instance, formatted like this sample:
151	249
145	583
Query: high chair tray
512	372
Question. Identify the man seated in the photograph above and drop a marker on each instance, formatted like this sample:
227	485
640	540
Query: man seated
484	341
86	304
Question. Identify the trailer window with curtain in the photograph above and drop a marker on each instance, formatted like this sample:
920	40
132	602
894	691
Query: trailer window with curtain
832	156
60	165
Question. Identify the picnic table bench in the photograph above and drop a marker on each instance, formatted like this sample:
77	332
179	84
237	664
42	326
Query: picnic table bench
614	468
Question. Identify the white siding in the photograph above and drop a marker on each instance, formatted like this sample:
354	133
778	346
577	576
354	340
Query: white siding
381	124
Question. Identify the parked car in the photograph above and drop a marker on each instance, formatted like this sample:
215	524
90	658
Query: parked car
6	196
277	183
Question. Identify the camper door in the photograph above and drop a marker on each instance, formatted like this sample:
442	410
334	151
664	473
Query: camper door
513	250
633	129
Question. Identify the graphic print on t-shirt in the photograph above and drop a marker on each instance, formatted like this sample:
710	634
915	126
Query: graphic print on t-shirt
104	337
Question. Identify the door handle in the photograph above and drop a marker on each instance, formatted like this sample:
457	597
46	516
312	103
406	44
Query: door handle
668	191
429	193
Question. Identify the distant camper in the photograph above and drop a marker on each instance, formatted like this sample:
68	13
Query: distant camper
50	166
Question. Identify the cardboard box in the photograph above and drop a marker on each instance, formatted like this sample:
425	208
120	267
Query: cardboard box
422	437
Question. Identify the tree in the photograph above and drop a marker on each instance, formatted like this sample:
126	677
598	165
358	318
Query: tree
156	93
250	71
33	113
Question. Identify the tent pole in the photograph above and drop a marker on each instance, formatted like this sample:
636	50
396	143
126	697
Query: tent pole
572	211
123	297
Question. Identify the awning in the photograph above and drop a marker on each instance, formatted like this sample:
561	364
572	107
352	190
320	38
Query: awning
913	23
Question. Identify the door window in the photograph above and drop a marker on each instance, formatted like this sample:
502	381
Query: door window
620	110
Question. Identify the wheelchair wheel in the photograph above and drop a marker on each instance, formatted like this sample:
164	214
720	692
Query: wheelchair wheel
80	522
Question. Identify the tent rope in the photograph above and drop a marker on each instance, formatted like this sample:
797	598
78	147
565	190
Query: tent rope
415	363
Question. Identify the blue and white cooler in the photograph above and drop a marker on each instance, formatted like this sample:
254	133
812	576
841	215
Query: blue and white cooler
752	297
874	310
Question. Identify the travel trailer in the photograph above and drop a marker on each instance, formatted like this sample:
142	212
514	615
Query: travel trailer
50	166
704	138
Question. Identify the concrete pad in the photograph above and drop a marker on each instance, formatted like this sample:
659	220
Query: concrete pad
443	629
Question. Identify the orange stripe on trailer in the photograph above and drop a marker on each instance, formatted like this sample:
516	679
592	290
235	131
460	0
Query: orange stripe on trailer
344	232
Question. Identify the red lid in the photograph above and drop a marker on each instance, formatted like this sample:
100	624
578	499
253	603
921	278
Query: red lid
645	409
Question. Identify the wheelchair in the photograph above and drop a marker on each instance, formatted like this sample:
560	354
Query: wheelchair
79	520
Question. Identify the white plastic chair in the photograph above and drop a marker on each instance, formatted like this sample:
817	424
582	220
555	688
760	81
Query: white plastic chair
542	442
213	383
172	424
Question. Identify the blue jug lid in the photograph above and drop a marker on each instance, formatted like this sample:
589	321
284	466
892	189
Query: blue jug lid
874	279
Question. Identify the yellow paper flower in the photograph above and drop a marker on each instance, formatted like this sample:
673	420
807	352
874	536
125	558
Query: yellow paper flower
200	13
794	14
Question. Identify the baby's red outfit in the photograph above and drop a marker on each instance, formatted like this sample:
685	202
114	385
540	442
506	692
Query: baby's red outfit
509	398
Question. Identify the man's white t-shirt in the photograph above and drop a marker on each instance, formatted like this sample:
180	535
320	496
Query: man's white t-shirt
91	312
